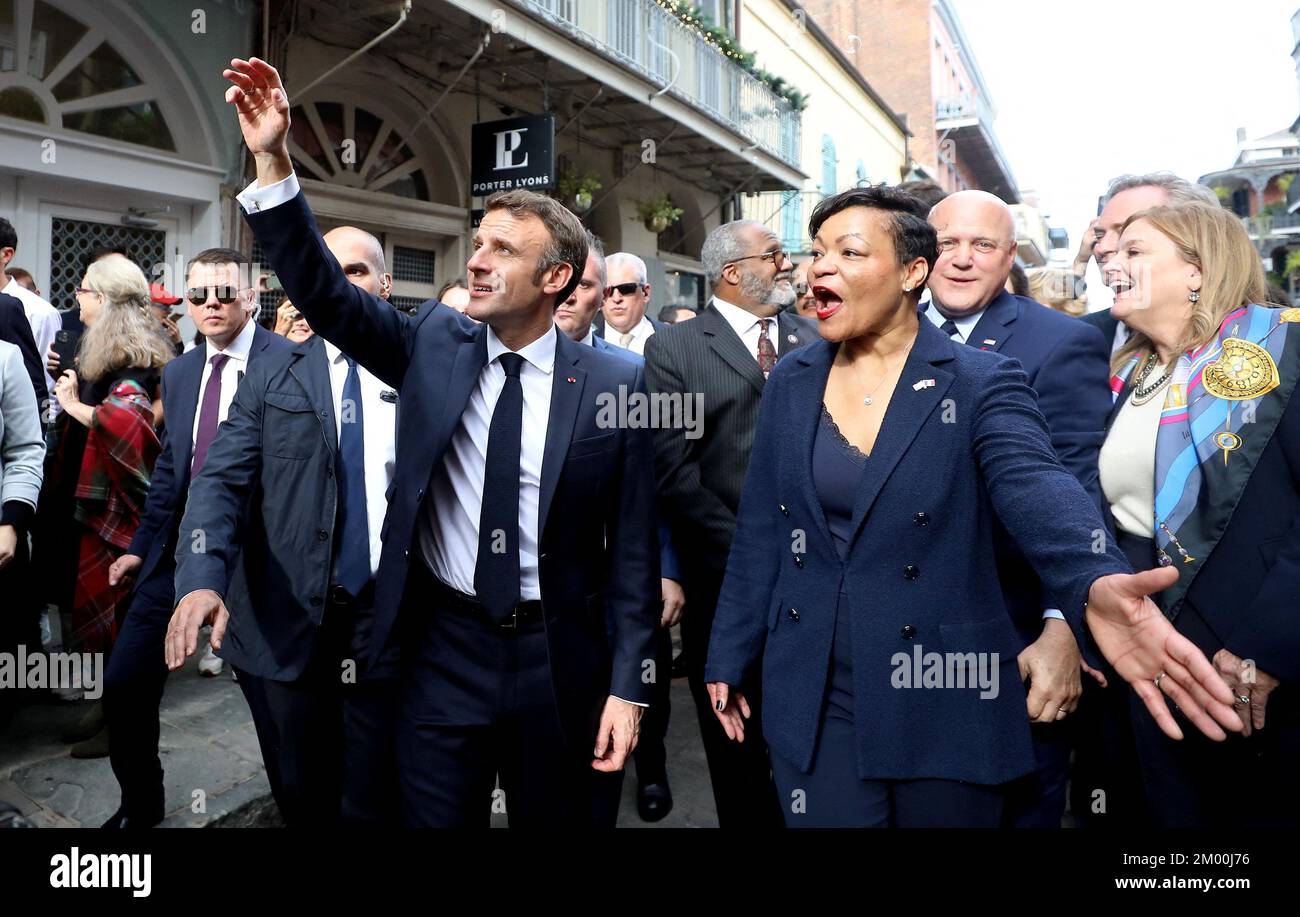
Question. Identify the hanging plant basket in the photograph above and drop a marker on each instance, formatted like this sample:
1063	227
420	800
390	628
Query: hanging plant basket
575	189
658	213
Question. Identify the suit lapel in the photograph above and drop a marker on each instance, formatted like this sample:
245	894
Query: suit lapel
789	329
995	324
471	357
566	398
311	369
727	344
909	408
180	421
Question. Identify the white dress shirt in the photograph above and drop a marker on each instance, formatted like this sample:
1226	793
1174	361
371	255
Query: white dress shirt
379	418
237	351
46	322
965	325
748	328
449	536
640	333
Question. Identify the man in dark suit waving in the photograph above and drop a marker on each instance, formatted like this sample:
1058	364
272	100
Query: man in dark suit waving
1067	365
724	354
518	514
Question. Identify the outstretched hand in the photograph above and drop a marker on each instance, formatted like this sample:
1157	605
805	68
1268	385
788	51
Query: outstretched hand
1147	652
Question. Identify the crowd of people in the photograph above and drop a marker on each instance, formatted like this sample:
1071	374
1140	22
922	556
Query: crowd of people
945	547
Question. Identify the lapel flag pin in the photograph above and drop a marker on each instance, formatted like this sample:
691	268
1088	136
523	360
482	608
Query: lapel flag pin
571	379
990	341
924	383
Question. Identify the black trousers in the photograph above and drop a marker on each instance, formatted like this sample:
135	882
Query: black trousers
133	690
327	737
1038	800
477	703
651	756
20	621
740	772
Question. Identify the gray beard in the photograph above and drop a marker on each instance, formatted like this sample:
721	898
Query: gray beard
756	290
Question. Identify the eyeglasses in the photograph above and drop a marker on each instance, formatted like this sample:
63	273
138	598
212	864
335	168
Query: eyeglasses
225	295
80	290
627	289
774	258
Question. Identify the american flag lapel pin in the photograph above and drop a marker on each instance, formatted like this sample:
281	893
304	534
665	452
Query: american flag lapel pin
989	342
570	380
924	383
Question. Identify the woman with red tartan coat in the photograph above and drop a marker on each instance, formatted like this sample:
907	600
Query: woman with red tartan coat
103	453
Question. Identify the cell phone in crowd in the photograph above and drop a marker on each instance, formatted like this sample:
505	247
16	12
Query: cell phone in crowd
65	345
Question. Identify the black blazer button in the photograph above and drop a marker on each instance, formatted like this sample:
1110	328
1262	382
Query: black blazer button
793	614
784	511
316	600
908	631
921	519
798	561
911	571
322	535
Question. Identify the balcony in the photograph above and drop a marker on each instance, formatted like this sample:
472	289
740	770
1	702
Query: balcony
655	45
967	121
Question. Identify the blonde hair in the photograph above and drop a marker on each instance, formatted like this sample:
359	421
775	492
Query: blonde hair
125	334
1054	288
1232	276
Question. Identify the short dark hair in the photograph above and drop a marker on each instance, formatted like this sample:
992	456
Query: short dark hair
20	275
928	194
451	285
220	256
913	236
1019	281
8	235
568	244
668	314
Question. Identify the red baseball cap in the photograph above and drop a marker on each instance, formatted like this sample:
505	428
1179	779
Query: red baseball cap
158	293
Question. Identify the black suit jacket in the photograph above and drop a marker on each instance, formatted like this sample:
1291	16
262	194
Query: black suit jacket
596	522
1068	368
700	479
156	535
1104	322
15	329
268	491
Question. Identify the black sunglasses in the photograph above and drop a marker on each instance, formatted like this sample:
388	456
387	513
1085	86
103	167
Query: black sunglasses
627	289
199	295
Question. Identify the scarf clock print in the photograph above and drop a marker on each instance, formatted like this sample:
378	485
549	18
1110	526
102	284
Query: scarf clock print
1222	406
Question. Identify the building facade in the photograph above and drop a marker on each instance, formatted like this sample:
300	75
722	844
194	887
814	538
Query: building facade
916	55
859	139
117	130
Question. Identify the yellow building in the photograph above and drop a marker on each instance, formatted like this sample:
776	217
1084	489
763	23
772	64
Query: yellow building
850	136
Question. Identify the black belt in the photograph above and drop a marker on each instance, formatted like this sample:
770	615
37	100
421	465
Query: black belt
524	613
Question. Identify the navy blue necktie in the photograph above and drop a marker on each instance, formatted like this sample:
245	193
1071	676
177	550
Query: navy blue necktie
496	572
352	537
949	327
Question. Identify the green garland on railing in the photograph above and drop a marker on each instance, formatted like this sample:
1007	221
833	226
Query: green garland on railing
718	37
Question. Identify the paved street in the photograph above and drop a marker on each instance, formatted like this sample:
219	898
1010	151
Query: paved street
214	773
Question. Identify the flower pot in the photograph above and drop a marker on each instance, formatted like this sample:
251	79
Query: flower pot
657	224
582	201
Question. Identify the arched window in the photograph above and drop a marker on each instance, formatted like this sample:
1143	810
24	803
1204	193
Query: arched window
829	182
56	70
343	144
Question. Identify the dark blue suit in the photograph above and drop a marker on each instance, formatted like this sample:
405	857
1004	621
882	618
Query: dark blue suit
265	507
1067	363
136	671
949	458
598	557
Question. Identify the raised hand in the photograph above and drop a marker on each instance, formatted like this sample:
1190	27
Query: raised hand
1140	642
263	108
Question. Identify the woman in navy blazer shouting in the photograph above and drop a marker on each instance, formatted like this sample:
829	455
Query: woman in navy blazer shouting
862	574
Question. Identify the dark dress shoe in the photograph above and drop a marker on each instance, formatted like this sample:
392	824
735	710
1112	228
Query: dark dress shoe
654	801
120	819
679	666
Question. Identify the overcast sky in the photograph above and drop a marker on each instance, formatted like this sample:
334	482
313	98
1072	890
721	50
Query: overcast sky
1087	90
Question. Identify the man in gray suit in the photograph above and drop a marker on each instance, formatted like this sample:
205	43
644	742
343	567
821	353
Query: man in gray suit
725	355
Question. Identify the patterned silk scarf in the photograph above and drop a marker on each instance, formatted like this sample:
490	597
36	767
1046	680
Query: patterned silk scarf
1223	404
